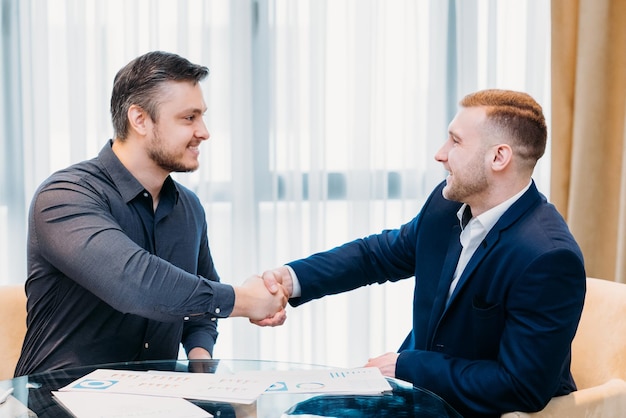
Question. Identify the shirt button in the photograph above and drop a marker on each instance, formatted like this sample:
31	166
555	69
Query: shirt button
218	310
146	345
145	194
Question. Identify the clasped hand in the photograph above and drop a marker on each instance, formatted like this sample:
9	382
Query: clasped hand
263	299
276	281
260	302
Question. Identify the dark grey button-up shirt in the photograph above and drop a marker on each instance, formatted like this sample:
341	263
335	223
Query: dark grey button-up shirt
111	280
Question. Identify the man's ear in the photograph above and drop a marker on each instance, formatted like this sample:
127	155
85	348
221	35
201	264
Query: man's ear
138	119
502	156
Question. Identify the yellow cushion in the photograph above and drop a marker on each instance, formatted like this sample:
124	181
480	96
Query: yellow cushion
12	327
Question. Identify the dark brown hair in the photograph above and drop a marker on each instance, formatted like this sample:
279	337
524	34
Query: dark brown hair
139	82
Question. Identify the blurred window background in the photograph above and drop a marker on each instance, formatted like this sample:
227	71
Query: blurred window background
324	119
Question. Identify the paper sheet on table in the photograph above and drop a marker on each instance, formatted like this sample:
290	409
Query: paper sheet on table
204	386
359	381
117	405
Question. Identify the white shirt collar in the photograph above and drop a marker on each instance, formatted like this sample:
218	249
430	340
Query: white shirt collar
489	218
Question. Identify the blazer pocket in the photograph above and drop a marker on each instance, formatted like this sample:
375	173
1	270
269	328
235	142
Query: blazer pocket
487	324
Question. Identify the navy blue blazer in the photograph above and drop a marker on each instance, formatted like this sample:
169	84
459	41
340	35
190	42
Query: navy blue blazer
502	342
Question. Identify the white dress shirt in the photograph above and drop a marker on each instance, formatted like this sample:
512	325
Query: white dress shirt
475	232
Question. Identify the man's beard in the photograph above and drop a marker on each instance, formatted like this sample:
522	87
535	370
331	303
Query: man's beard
459	190
166	160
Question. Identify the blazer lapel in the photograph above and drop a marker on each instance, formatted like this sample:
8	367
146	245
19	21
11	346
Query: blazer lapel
449	265
479	254
516	211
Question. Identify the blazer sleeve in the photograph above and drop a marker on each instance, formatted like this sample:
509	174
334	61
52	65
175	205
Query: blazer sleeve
388	256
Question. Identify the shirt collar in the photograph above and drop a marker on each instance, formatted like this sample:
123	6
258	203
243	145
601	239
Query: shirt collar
128	186
489	218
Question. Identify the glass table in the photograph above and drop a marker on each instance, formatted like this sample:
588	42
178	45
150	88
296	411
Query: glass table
34	391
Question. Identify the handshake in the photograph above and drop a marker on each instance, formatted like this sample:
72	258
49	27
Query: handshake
263	298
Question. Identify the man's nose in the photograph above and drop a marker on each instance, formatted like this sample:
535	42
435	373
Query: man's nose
442	154
203	132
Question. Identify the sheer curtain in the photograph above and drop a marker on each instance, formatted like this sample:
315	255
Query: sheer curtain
356	97
12	198
324	118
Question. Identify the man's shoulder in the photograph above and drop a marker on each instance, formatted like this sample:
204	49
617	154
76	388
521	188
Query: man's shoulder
541	229
83	172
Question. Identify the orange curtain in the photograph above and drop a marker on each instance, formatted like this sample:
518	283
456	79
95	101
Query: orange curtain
588	166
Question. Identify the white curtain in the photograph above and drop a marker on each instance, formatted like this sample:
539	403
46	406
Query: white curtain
324	118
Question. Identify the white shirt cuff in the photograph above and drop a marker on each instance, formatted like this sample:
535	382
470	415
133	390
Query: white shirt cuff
297	290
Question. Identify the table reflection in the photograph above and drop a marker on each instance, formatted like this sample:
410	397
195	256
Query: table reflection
35	390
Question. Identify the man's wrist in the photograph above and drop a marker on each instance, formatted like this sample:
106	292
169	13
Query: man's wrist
296	289
199	353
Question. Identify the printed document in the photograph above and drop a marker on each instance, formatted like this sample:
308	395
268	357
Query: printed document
202	386
116	405
359	381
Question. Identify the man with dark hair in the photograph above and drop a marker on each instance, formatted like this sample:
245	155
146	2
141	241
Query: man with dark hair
119	267
499	279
